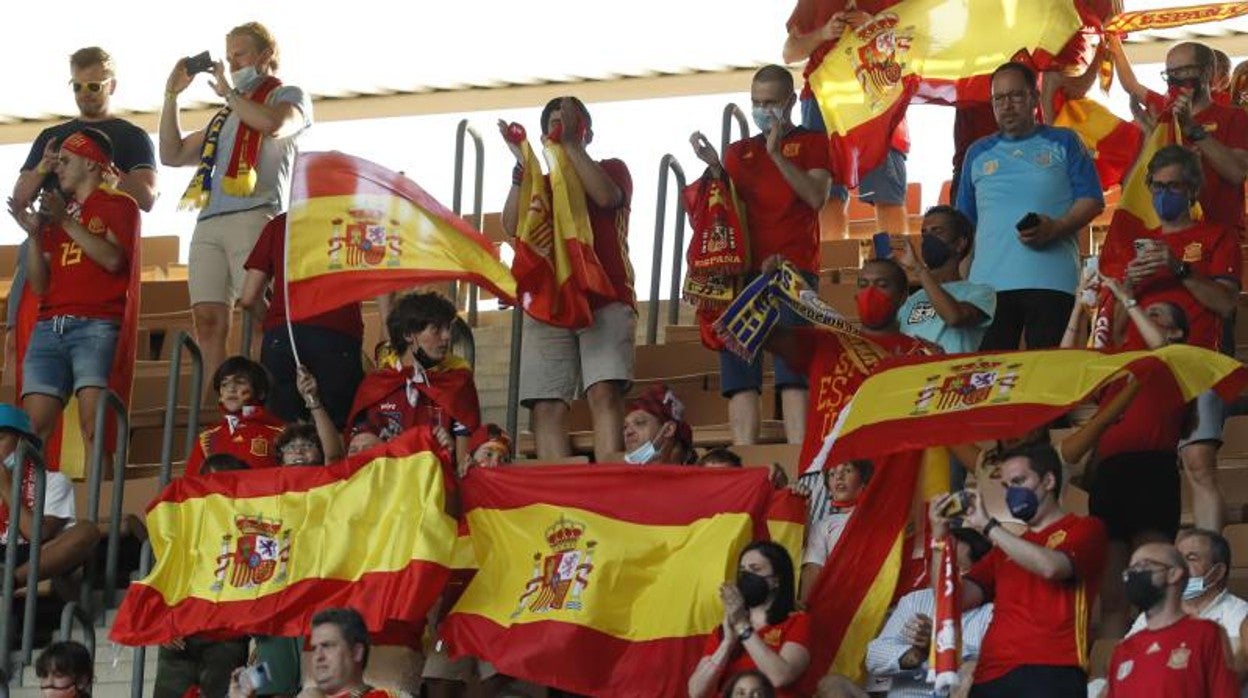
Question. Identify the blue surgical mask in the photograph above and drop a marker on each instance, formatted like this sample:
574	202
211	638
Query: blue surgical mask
1023	502
935	252
1170	205
764	119
642	454
243	77
1195	587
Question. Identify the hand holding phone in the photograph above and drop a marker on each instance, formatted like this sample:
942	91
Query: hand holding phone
199	63
883	243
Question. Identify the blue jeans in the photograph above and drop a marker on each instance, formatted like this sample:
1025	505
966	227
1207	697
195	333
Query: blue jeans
68	353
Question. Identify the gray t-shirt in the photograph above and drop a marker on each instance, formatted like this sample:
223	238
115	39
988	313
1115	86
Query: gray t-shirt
274	164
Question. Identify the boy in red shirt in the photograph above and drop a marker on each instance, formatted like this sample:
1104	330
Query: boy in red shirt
79	266
246	430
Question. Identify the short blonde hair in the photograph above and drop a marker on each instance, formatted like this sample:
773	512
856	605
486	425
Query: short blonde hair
89	56
261	35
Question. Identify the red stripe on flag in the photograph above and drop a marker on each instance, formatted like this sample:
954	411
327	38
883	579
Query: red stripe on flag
321	294
703	491
402	595
602	665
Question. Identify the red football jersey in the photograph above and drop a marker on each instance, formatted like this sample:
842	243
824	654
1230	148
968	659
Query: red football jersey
1213	252
1188	658
249	436
779	221
611	237
1035	621
77	285
795	629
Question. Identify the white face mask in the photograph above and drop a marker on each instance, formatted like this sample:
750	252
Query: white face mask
642	454
10	461
243	77
1195	587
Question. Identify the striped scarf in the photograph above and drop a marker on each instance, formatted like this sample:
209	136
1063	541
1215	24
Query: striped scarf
240	174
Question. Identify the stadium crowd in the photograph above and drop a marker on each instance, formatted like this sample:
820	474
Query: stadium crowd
995	268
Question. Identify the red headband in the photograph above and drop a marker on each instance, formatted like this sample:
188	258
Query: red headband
661	402
80	145
483	436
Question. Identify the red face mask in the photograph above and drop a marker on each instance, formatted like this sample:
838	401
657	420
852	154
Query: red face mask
875	307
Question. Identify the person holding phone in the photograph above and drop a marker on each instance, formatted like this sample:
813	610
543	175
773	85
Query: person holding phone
782	177
1028	189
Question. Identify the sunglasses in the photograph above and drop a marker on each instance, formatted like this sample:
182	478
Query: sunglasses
90	86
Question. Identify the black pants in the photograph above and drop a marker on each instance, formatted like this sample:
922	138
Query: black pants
1036	681
334	360
1039	315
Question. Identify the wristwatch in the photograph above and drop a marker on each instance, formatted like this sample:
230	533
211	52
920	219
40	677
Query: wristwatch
992	523
1195	133
745	634
1129	303
1182	270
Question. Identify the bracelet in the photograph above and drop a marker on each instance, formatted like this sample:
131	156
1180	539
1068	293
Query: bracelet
170	94
992	523
517	175
317	406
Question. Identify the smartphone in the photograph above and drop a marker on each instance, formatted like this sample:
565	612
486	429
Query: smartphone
1030	220
258	676
199	63
883	245
956	505
1142	245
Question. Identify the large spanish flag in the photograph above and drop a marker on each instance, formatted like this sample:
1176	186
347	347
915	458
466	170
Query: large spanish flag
262	551
602	580
555	265
357	230
65	449
922	402
932	49
1113	143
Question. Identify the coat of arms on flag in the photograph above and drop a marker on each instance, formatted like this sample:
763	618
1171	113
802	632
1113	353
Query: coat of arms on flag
367	238
966	385
560	577
260	554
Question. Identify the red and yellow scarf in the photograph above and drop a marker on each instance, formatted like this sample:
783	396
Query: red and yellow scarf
240	173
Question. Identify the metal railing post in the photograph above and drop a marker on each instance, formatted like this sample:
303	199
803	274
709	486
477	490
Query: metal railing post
462	130
249	329
73	612
183	340
140	652
732	112
513	377
108	400
26	452
667	164
461	332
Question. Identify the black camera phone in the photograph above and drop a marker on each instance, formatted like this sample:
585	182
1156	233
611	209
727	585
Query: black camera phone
1028	221
199	63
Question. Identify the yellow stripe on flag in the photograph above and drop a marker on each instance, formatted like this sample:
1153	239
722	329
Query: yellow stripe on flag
791	535
1090	120
668	575
327	532
869	617
73	449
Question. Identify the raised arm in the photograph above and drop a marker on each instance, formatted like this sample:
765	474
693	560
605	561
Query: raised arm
177	150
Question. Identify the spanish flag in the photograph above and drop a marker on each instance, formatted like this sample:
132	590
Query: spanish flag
929	49
602	580
555	264
921	402
65	449
1113	143
357	230
262	551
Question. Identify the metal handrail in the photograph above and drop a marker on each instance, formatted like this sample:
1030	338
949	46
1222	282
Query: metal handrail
73	612
464	129
26	452
666	165
249	329
732	112
108	400
140	652
183	340
513	377
461	333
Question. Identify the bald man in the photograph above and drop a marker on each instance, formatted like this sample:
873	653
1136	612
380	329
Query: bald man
1176	654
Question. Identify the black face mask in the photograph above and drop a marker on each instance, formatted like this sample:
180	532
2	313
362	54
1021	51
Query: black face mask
754	588
1141	591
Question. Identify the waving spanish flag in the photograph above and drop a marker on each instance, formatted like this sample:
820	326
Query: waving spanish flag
865	82
1113	143
357	230
262	551
555	264
602	580
920	402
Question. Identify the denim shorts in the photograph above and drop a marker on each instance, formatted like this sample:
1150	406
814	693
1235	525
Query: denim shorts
68	353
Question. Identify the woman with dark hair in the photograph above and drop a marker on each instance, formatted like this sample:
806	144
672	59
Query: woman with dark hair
762	628
65	669
749	684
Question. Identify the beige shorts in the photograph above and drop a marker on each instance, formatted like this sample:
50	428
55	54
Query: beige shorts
556	361
220	247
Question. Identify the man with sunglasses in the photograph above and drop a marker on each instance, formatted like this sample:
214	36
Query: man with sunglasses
93	83
1217	133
